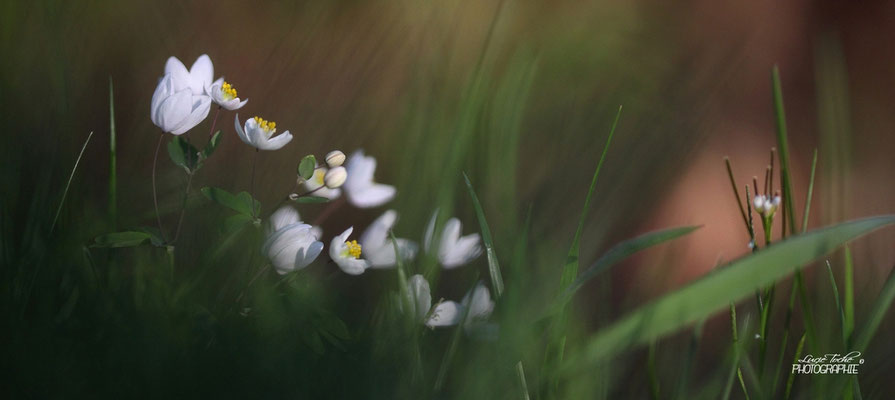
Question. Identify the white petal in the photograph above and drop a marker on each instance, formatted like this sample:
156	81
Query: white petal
200	107
337	245
180	76
201	74
479	303
384	255
376	234
285	215
445	314
370	196
162	91
420	296
275	143
360	171
352	266
309	254
174	110
430	232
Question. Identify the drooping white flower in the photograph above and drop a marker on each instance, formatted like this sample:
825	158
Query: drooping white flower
347	254
177	110
259	133
419	297
379	249
291	245
317	185
225	95
197	79
453	250
477	306
362	192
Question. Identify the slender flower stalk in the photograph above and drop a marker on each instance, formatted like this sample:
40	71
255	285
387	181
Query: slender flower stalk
214	122
158	216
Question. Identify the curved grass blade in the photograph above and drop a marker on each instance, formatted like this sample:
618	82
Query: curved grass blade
620	252
113	174
876	314
68	184
783	145
731	283
493	265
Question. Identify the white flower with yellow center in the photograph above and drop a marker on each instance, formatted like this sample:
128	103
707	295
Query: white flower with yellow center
317	185
259	133
291	245
362	192
378	246
347	254
224	95
452	250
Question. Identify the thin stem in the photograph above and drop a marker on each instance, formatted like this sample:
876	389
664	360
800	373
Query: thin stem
258	275
214	122
252	187
158	216
736	193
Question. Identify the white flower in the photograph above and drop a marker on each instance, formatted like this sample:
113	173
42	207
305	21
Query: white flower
347	254
317	184
477	305
177	110
335	158
196	79
259	133
378	246
362	192
335	177
419	297
291	245
224	95
453	251
765	205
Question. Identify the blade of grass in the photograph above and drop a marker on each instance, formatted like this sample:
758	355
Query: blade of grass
523	387
68	184
810	193
651	371
879	310
493	265
795	359
783	343
113	174
452	347
836	300
848	304
618	253
680	391
704	296
783	145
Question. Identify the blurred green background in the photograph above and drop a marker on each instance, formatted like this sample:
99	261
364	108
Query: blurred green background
519	94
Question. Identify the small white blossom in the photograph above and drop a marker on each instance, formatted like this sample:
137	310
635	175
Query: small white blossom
360	188
453	250
347	254
378	246
290	245
225	95
259	133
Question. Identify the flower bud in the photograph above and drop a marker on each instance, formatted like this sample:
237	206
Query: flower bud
335	177
335	158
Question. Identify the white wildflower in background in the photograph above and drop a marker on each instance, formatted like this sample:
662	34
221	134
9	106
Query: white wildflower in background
379	249
419	297
291	245
453	250
766	205
362	192
197	79
177	110
225	95
347	254
477	305
317	185
259	133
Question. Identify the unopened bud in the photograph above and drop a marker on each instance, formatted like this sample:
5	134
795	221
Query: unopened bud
293	196
335	177
335	158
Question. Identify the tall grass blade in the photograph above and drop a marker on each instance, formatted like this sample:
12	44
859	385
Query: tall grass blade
810	193
620	252
848	303
795	359
783	146
493	265
879	310
113	173
523	386
836	301
705	296
68	184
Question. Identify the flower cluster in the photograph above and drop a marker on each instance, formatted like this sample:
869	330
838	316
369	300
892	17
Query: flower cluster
182	100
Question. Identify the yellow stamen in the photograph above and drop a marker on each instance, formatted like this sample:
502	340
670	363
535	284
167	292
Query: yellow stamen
353	249
318	176
269	127
228	91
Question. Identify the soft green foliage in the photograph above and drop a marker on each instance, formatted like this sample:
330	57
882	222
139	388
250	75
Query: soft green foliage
306	167
728	284
493	265
241	202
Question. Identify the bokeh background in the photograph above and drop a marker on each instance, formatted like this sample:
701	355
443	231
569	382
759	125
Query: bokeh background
519	94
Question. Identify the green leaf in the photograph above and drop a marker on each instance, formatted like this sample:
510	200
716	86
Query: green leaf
306	166
880	308
236	222
240	203
183	154
212	145
246	198
121	239
493	266
155	236
707	295
311	200
620	252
